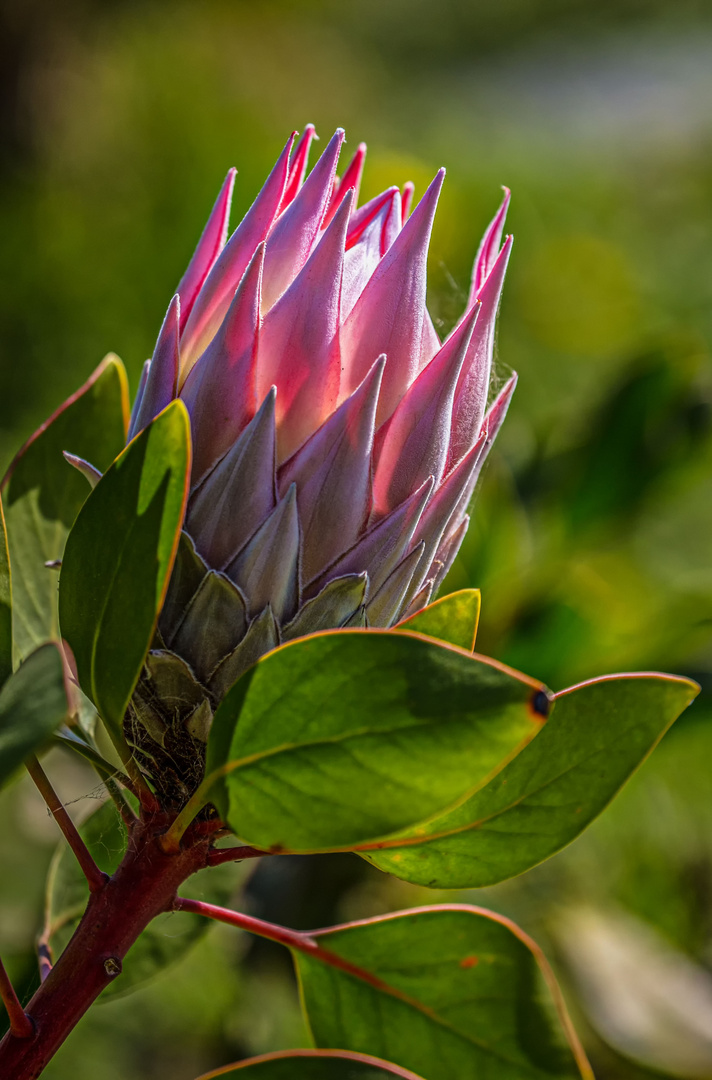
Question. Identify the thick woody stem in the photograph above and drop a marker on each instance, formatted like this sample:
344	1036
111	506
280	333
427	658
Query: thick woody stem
20	1024
143	886
95	877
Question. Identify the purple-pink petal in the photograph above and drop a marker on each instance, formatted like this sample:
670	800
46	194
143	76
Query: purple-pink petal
350	179
407	199
489	249
382	546
297	228
494	418
388	316
238	495
364	255
219	391
299	341
383	608
413	444
332	471
209	247
217	292
298	165
162	378
267	569
449	500
132	430
473	385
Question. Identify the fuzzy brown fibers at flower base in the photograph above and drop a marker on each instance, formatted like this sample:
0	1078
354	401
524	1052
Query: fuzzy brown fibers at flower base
246	604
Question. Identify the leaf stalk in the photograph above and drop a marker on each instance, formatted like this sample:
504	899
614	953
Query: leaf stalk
20	1024
96	878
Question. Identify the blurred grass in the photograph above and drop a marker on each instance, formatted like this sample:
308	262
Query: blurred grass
591	536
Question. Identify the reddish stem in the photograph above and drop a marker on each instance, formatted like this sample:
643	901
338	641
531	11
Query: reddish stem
96	878
217	856
143	886
21	1026
293	939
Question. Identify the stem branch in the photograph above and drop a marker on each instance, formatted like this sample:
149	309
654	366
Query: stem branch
149	802
143	886
127	815
293	939
96	878
20	1024
170	841
233	854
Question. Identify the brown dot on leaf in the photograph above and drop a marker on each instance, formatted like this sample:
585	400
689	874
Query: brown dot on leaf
540	703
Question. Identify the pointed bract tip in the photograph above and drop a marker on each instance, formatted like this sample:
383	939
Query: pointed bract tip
431	195
254	266
342	212
407	199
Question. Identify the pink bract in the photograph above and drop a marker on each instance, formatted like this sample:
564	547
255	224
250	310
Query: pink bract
337	441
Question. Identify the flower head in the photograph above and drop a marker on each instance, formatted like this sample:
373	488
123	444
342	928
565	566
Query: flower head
336	441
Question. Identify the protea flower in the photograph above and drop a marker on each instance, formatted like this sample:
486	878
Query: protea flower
336	441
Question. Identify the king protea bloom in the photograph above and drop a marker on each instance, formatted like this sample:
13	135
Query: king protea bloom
336	441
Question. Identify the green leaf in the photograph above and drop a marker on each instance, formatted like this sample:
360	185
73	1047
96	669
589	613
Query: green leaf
5	604
596	737
79	744
312	1065
451	991
118	560
352	735
33	703
43	495
452	618
166	938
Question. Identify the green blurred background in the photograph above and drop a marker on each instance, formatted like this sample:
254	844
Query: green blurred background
592	538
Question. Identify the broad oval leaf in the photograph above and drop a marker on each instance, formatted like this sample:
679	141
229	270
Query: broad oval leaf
596	737
118	559
453	618
451	991
166	938
43	495
33	704
312	1065
349	735
5	603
